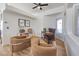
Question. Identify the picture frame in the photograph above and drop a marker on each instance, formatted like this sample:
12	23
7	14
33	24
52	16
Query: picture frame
27	23
21	22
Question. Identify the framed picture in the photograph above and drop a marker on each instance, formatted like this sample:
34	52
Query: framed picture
21	22
27	23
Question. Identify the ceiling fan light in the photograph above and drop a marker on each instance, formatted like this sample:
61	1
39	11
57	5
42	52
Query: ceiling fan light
38	7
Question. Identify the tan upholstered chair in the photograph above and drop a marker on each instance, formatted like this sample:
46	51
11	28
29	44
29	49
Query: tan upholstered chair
39	50
19	43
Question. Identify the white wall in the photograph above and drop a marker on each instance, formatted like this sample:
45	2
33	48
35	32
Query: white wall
49	21
71	41
38	24
12	22
0	16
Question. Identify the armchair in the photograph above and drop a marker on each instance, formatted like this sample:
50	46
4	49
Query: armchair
39	50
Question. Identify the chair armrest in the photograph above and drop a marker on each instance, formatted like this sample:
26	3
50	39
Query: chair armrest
44	51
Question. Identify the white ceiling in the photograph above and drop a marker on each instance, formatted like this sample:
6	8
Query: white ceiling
45	8
28	7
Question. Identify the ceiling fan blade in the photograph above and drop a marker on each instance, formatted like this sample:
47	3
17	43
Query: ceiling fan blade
35	7
44	5
35	3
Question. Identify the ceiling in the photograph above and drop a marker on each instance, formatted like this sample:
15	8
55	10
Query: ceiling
45	8
28	7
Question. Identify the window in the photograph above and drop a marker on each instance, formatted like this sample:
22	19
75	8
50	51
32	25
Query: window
59	25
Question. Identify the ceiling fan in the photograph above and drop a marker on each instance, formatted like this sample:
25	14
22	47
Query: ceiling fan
39	5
